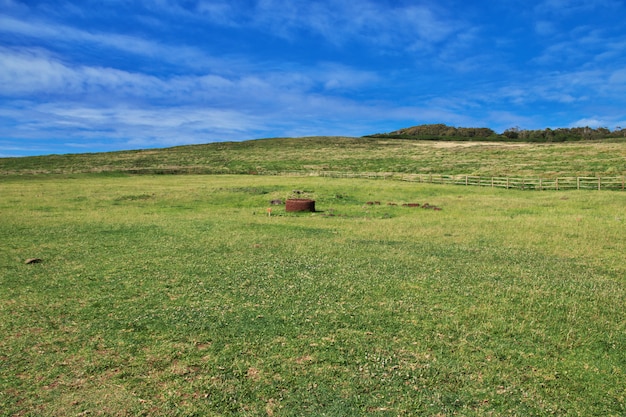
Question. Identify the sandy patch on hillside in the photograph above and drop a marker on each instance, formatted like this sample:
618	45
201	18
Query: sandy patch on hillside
446	144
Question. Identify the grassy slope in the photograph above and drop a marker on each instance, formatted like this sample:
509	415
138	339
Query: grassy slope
180	296
602	158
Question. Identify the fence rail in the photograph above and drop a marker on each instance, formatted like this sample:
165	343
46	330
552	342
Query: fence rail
561	183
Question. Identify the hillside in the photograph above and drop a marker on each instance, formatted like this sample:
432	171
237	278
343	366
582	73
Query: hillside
605	157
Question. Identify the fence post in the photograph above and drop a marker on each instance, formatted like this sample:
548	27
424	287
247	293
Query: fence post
532	183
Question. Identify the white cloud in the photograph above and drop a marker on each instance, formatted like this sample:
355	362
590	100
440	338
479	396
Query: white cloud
152	126
30	71
545	27
568	7
590	122
395	27
34	71
500	120
219	11
12	5
618	79
339	77
44	31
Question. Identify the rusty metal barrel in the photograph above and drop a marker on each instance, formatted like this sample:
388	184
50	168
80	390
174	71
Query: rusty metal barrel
300	204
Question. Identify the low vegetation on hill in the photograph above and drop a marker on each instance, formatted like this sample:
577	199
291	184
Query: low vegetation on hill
444	132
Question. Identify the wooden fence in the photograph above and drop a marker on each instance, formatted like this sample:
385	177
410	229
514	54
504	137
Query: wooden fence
562	183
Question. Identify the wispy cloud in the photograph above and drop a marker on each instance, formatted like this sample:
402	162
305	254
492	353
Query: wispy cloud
393	26
568	7
35	71
59	36
382	25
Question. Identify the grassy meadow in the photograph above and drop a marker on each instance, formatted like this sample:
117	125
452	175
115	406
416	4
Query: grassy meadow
181	295
606	158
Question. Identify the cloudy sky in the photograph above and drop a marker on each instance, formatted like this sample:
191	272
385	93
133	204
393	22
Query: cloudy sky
86	76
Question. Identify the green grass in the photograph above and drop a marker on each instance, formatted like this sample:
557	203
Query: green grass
179	295
542	160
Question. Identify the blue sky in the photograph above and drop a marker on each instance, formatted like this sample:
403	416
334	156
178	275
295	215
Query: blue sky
87	76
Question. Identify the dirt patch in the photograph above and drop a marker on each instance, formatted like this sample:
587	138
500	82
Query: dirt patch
33	261
253	374
448	145
304	359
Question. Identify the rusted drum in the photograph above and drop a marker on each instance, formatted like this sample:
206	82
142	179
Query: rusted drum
300	204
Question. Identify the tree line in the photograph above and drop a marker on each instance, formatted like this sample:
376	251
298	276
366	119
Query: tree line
445	132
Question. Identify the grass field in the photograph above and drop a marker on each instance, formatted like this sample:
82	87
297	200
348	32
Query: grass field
180	295
605	158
